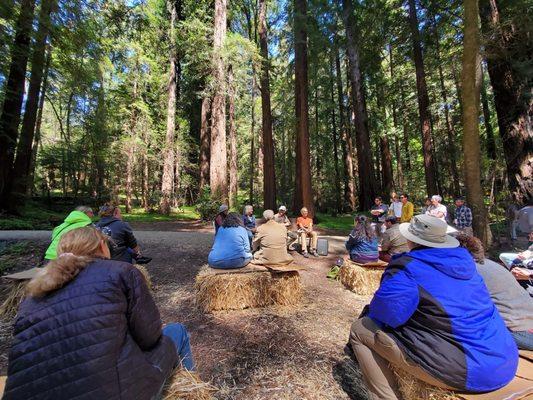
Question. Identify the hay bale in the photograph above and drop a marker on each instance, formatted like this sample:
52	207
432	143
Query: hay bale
237	291
15	294
188	386
360	280
414	389
145	273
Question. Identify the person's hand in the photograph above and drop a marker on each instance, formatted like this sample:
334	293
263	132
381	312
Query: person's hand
521	274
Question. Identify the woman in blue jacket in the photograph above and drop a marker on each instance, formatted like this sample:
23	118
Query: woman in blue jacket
232	246
433	317
90	329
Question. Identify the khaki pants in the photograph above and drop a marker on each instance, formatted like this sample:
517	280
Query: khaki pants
303	240
374	350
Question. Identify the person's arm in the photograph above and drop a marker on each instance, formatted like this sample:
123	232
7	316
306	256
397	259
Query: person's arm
287	222
246	243
144	321
129	239
386	243
410	211
521	274
396	299
256	241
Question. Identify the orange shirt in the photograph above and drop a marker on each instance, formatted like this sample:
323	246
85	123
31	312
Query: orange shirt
304	221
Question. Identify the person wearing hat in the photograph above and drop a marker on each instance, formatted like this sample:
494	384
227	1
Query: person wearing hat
282	218
221	216
432	317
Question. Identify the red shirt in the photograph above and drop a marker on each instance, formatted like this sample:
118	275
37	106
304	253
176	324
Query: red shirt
304	221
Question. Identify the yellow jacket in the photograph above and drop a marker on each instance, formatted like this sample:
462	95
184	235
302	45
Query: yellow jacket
408	211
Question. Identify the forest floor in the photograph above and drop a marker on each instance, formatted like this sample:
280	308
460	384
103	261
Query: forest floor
270	353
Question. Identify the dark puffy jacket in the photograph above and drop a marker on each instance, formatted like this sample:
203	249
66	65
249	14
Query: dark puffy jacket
122	237
435	306
98	337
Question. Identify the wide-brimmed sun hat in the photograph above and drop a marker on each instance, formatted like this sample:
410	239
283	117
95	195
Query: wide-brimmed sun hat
223	208
429	231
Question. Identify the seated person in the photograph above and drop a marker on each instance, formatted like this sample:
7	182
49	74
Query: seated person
271	242
123	244
90	328
393	241
81	216
521	265
305	230
379	213
231	248
219	219
436	209
282	218
513	303
362	244
248	219
432	316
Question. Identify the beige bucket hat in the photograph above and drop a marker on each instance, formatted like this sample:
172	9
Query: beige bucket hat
429	231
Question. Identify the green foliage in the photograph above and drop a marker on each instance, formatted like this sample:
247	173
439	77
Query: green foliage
206	206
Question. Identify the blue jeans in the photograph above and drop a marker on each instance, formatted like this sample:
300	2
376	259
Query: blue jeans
230	264
523	339
178	334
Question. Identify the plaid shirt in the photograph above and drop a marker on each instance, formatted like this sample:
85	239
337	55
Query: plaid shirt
463	216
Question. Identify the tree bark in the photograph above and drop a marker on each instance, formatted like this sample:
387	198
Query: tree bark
218	176
399	167
269	171
167	180
205	141
471	80
13	97
338	199
347	148
233	177
491	142
405	128
423	102
367	188
303	196
512	94
386	165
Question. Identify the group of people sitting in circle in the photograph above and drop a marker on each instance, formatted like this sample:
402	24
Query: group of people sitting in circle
239	240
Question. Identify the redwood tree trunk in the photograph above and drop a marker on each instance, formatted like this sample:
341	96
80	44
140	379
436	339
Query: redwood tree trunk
269	171
386	165
471	79
218	176
367	187
491	142
399	167
347	148
303	196
205	141
423	102
14	94
338	199
233	178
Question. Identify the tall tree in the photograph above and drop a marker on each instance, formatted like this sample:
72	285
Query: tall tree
491	141
233	177
470	83
167	181
205	141
303	195
14	93
218	176
423	101
509	51
386	165
269	176
367	188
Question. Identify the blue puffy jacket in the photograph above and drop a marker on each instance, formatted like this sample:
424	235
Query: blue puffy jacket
435	306
98	337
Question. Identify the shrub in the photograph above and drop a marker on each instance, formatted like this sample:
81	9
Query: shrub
206	206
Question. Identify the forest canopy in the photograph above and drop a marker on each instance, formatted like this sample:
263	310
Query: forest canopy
320	103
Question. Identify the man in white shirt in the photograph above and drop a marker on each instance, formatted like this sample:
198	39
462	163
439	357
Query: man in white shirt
395	208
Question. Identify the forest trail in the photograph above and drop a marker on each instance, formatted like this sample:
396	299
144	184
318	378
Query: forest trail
272	353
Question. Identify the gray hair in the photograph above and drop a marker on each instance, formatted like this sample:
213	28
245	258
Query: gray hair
268	215
248	208
436	197
84	209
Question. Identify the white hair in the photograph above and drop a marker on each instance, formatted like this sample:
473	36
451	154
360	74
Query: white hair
84	209
268	215
248	208
436	197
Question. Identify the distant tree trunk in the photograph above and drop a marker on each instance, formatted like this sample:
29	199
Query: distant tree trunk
218	167
233	178
167	180
386	165
269	176
405	128
423	102
252	147
145	175
347	148
303	196
21	167
13	97
491	142
399	168
338	199
130	146
205	141
508	48
367	188
471	80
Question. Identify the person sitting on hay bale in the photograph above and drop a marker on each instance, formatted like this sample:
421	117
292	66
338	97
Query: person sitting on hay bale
432	317
90	328
362	244
271	242
513	303
231	248
393	241
220	217
80	217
